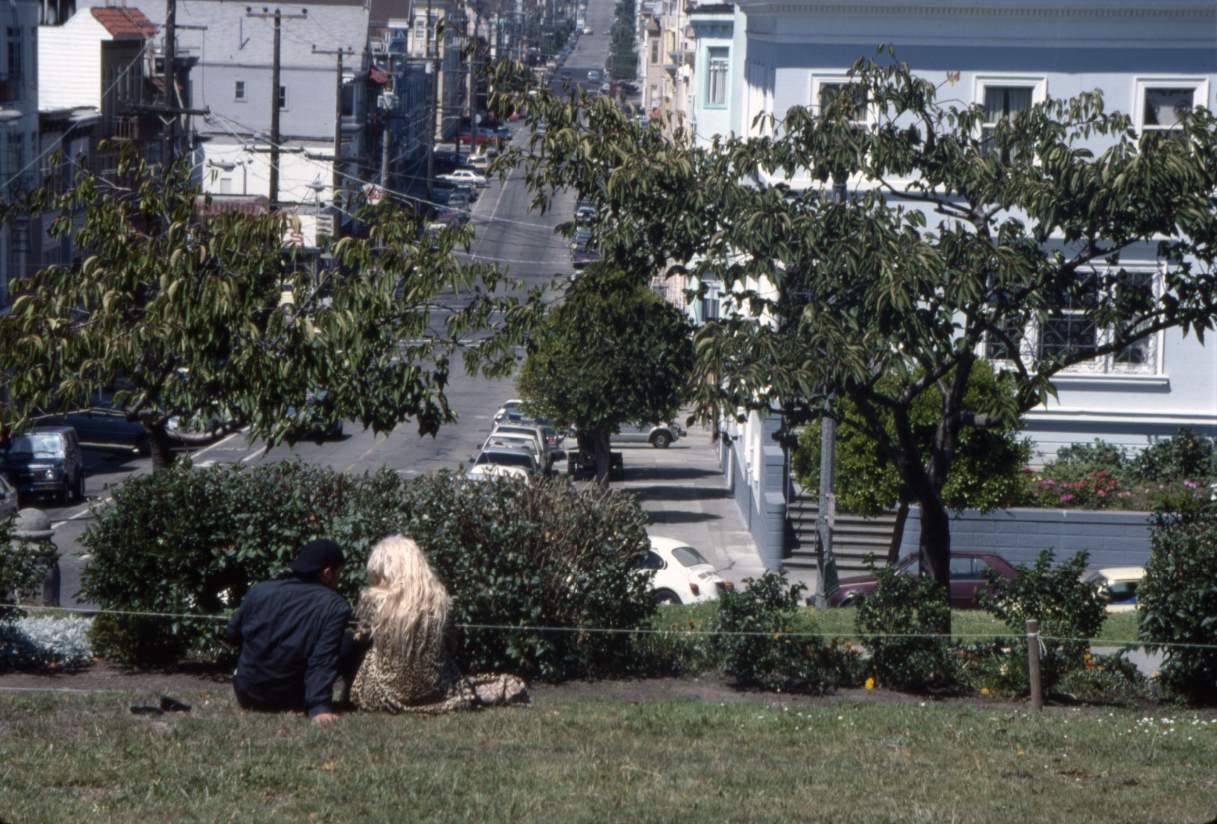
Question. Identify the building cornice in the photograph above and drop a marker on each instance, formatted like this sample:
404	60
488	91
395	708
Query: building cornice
976	8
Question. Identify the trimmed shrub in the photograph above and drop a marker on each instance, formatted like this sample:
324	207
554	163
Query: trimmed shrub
1107	679
889	623
766	654
194	541
1177	600
1065	606
543	555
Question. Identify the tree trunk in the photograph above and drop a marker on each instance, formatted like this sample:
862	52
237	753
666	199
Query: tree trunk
603	454
161	446
935	547
902	516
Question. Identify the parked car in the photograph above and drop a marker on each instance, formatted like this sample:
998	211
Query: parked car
587	30
476	138
46	460
490	472
585	212
511	409
9	504
582	255
658	435
479	163
503	131
547	440
310	424
515	440
103	426
464	177
682	575
968	579
1117	586
508	456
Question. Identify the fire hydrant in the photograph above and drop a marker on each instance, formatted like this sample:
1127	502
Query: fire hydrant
32	526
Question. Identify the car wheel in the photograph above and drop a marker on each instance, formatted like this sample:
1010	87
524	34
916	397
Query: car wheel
144	446
80	488
660	440
666	596
853	601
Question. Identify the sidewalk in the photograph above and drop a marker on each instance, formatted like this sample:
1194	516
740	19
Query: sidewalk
683	490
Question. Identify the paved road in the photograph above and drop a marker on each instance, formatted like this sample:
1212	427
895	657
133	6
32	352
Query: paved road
507	232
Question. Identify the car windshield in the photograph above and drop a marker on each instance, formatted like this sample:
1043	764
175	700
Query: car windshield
39	445
1122	592
506	459
688	556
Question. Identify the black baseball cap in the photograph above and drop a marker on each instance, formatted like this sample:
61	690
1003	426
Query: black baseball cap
316	556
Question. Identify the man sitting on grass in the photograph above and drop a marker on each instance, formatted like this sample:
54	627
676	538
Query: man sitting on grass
293	637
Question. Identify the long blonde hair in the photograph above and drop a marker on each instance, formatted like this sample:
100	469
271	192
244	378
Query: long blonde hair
404	603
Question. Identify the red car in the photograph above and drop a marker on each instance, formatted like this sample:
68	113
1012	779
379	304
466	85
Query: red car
967	579
482	136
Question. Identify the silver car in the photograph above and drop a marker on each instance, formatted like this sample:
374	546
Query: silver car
658	435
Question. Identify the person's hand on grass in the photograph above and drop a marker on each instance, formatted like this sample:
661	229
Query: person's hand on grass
323	718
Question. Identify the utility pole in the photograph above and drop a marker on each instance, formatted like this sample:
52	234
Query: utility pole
826	562
169	134
338	53
435	121
278	18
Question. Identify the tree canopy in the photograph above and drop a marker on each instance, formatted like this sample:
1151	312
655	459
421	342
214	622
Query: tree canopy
911	248
195	317
611	352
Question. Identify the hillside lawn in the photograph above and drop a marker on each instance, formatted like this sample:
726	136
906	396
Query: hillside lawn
669	750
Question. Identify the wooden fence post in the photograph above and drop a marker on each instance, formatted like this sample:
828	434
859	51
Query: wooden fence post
1033	664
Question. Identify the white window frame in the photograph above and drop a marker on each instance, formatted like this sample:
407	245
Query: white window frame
839	78
1038	84
1105	366
1198	84
711	59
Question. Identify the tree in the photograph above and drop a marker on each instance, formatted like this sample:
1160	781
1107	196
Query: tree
1033	219
612	352
987	471
194	318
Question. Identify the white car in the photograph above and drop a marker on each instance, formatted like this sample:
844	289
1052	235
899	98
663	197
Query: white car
587	30
516	441
464	177
682	574
491	472
1117	586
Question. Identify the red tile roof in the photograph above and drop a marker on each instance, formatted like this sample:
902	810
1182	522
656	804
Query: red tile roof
124	23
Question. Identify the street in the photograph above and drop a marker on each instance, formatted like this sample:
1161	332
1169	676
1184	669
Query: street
508	233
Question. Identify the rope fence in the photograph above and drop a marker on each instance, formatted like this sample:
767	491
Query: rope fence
584	630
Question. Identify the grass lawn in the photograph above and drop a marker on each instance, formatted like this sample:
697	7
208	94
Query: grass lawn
575	758
839	622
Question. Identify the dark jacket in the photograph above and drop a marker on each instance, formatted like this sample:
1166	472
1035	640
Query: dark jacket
290	632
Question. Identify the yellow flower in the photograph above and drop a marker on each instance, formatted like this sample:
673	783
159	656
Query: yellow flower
870	683
984	690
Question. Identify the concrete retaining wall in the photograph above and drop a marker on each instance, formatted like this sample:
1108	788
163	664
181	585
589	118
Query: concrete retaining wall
1018	535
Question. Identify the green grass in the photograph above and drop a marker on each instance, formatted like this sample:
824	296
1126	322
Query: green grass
571	759
839	622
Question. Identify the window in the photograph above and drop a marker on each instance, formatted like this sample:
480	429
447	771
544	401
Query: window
226	185
654	49
716	77
828	93
1002	103
15	62
420	36
238	91
283	97
1162	104
1069	330
1135	292
996	347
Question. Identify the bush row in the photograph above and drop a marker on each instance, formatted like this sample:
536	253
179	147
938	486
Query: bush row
194	541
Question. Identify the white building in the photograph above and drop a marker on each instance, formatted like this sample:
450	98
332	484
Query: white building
1146	57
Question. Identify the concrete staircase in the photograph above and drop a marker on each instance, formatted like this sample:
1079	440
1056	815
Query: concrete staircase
854	537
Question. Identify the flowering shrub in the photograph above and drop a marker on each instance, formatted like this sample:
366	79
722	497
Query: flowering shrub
45	643
1101	476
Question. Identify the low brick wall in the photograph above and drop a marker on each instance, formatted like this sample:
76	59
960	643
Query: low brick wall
1018	535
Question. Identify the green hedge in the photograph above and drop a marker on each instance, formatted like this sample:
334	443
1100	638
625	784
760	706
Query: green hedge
188	540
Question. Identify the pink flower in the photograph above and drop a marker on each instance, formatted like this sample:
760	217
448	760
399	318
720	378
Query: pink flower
1191	484
1067	497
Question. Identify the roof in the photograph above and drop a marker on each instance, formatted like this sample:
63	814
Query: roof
124	22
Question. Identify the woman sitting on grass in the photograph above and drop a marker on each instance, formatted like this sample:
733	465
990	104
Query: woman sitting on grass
410	667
